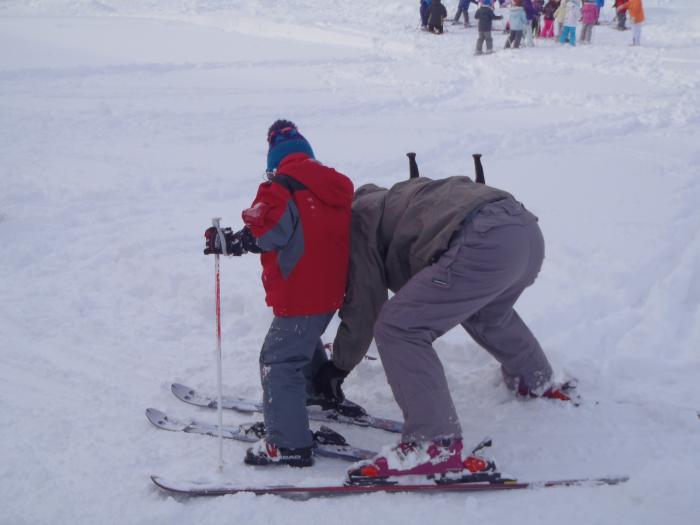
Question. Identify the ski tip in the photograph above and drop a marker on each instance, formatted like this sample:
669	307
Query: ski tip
189	489
160	419
153	414
164	486
182	391
157	417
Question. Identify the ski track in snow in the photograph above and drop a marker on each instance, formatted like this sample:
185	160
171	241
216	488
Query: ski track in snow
126	125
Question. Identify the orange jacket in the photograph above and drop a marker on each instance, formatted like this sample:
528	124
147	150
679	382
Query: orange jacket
636	10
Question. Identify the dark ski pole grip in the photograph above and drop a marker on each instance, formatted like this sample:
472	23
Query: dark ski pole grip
216	222
412	166
479	169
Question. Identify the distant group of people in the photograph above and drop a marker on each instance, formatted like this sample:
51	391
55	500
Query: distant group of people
530	18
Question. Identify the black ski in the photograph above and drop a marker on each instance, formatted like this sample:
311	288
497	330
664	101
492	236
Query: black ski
327	442
346	412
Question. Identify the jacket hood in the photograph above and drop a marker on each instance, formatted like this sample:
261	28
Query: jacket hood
367	189
328	185
369	198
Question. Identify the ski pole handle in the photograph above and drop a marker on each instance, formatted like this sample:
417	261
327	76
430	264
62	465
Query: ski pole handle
412	166
479	169
216	223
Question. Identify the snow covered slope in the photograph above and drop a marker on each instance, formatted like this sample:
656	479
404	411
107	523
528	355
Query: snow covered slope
126	125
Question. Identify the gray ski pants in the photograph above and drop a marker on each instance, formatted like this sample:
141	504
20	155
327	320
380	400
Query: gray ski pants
290	356
490	261
484	36
514	39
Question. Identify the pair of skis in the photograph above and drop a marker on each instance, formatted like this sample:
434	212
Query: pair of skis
328	443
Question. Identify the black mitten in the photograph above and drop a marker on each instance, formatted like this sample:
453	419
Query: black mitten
328	381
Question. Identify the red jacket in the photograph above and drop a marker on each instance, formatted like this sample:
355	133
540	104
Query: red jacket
301	220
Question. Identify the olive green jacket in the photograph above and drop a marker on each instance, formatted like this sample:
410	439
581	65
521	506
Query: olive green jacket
394	234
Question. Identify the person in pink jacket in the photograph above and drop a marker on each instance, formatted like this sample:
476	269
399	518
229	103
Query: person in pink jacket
589	18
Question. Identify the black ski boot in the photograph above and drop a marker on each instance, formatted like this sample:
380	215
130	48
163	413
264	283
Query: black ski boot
264	453
344	408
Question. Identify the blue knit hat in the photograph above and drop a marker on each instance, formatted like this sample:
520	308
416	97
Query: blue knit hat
486	2
284	139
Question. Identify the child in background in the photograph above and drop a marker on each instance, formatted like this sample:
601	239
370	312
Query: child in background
621	13
538	6
517	20
589	18
463	7
559	15
438	13
505	4
424	14
485	17
572	14
636	10
530	16
601	5
548	14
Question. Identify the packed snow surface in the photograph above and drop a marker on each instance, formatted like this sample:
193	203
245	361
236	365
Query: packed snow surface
126	125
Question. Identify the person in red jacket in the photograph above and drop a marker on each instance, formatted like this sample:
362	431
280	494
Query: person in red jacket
636	11
621	14
300	223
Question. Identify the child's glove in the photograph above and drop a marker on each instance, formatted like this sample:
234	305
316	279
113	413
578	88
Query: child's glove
237	243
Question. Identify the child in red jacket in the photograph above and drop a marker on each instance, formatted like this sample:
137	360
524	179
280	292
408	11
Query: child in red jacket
621	14
548	14
300	223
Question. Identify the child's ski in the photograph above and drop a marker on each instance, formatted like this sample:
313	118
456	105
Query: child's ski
327	442
346	412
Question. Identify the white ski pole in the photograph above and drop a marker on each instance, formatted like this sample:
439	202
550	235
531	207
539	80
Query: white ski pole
216	223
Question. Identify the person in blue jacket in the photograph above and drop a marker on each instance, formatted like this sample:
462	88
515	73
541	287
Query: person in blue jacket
424	13
463	7
528	30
